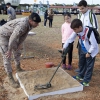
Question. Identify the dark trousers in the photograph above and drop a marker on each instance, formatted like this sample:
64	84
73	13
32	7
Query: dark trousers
86	66
45	21
50	22
70	54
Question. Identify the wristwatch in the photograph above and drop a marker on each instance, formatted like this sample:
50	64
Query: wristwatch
89	53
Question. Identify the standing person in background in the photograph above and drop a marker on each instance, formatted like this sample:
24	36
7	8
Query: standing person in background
12	35
50	14
66	32
11	12
88	18
45	17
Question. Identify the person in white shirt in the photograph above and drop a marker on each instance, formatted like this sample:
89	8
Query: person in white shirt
87	17
88	50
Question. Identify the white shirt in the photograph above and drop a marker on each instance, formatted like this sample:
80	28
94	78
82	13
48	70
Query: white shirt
86	20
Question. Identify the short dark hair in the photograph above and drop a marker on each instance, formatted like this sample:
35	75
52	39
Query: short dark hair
82	3
76	23
35	17
8	4
67	14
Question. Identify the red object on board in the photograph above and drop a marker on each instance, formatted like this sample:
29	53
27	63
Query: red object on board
49	64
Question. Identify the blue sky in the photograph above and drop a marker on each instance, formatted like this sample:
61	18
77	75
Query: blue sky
59	1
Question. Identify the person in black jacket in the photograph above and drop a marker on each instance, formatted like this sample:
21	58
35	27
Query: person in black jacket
45	17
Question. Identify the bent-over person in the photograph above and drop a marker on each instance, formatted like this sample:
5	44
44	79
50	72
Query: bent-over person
12	35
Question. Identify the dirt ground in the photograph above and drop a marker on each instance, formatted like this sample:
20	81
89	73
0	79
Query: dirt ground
44	47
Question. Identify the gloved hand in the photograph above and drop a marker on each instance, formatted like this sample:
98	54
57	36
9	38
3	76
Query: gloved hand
60	51
64	53
66	50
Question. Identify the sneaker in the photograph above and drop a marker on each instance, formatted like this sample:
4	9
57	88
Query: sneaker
85	83
78	78
64	66
69	67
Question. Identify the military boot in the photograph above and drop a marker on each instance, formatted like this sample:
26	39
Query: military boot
12	81
18	68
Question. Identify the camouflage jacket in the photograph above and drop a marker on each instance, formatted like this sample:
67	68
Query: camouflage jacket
16	31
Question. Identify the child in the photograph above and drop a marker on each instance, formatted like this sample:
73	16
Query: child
88	50
87	17
66	32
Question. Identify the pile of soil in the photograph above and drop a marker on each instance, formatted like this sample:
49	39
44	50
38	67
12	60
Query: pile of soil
42	76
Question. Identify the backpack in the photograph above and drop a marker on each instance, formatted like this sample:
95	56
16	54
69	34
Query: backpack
90	17
2	22
96	34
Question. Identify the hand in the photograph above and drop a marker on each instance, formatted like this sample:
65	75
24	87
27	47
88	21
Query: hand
63	49
8	54
87	55
63	52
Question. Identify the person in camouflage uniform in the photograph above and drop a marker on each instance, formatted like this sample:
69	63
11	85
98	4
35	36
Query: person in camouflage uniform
12	35
11	12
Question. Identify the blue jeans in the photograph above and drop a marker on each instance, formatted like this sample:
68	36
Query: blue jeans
50	22
86	66
45	21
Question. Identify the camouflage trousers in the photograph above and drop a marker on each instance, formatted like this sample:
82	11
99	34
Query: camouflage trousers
7	61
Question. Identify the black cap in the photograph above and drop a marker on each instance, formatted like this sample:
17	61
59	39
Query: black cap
35	17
